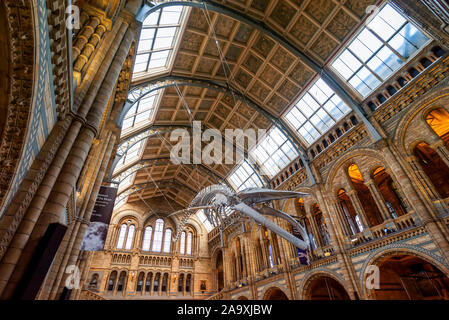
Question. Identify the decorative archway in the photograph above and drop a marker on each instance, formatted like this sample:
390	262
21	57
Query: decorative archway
16	91
334	280
407	273
275	293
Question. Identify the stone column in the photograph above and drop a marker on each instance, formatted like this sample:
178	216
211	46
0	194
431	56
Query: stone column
63	187
60	261
315	231
81	226
427	217
352	194
378	198
336	236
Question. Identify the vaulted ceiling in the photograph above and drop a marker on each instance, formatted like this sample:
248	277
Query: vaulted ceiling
266	72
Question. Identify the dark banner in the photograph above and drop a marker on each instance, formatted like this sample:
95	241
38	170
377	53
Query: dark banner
96	233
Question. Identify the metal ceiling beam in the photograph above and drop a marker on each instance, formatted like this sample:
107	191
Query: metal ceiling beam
162	161
151	185
172	81
156	130
326	75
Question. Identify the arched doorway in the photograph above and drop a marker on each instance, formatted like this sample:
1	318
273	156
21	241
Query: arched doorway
275	294
326	288
407	277
434	167
242	298
219	271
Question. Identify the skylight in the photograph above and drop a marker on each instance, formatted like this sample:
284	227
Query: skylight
141	112
245	177
380	49
131	154
274	152
316	112
159	36
202	217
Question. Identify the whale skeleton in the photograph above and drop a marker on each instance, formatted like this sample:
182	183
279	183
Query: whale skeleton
218	200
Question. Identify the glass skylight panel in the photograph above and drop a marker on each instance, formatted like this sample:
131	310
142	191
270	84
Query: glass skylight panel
244	177
274	152
316	112
202	217
141	111
157	40
380	49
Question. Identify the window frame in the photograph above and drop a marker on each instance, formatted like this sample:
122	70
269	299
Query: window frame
385	44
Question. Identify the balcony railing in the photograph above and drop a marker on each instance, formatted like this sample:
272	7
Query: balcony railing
401	223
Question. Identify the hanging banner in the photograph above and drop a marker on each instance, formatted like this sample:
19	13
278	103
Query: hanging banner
96	233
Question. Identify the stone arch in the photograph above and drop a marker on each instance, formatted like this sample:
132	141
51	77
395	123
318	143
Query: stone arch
346	160
289	205
18	91
274	290
400	249
308	279
131	214
426	105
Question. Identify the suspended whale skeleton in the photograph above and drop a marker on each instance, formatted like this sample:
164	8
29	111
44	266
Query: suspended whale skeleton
218	200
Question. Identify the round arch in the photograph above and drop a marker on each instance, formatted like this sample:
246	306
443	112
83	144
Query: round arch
275	293
18	103
307	281
426	105
399	250
346	160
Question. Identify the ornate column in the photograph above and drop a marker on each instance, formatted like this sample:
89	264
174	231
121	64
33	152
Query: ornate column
427	217
315	231
338	244
57	200
352	194
378	198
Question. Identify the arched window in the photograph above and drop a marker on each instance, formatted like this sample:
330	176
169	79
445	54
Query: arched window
189	243
351	216
112	279
167	241
366	198
181	283
139	285
157	278
121	281
438	120
158	232
434	167
182	245
130	237
389	191
121	237
188	281
321	224
148	282
93	284
164	282
147	239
